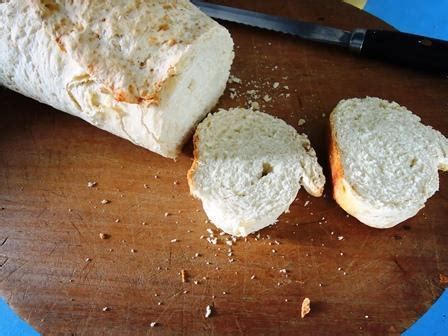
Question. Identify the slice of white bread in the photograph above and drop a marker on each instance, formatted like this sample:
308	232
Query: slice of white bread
384	162
147	71
248	167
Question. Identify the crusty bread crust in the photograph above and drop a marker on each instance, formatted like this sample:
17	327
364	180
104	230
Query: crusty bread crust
194	166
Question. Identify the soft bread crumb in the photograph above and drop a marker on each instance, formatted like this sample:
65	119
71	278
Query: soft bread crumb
306	307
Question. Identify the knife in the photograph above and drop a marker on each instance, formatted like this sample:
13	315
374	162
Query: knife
407	49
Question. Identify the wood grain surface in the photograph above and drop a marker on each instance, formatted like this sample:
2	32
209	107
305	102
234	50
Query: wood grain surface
371	282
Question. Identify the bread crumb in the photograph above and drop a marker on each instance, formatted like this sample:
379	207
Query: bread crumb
91	184
275	85
106	309
255	106
234	79
174	240
153	324
208	311
133	250
267	98
184	276
88	259
301	122
340	237
286	87
306	308
104	235
105	201
252	277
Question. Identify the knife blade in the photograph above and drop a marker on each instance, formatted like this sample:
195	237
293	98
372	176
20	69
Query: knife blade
407	49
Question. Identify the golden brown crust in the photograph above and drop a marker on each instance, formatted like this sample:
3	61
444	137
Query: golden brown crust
194	166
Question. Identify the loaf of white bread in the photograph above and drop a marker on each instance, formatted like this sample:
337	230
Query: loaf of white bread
248	167
384	161
146	71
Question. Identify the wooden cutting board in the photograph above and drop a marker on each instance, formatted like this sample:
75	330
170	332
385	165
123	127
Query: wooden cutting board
370	281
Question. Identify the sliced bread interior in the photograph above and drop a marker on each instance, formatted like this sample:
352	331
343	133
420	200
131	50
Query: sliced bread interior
384	161
248	168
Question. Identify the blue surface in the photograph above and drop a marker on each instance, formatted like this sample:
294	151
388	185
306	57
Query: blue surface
11	324
434	322
423	17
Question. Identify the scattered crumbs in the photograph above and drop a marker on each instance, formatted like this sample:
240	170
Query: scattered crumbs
231	260
286	87
196	282
91	184
229	242
184	276
208	311
340	237
166	214
145	186
153	324
275	85
276	242
197	255
117	220
306	307
201	237
176	182
274	251
283	271
70	210
306	203
106	309
300	123
267	98
252	277
366	316
185	292
104	235
210	232
320	285
345	273
332	233
155	294
286	300
213	241
88	259
339	268
288	95
174	240
105	201
159	303
133	250
224	293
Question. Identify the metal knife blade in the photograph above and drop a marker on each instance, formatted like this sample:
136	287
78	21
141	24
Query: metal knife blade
305	30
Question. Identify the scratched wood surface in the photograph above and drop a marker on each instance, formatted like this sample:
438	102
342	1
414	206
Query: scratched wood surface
372	282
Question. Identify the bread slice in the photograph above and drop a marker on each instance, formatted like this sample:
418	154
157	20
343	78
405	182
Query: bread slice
384	162
248	167
147	71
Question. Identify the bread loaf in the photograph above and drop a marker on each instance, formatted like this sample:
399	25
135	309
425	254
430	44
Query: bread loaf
248	169
384	162
146	71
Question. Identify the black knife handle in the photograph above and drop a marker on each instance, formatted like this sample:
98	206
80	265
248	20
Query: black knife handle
412	50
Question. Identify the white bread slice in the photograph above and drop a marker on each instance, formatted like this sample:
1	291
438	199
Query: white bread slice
248	167
146	71
384	162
